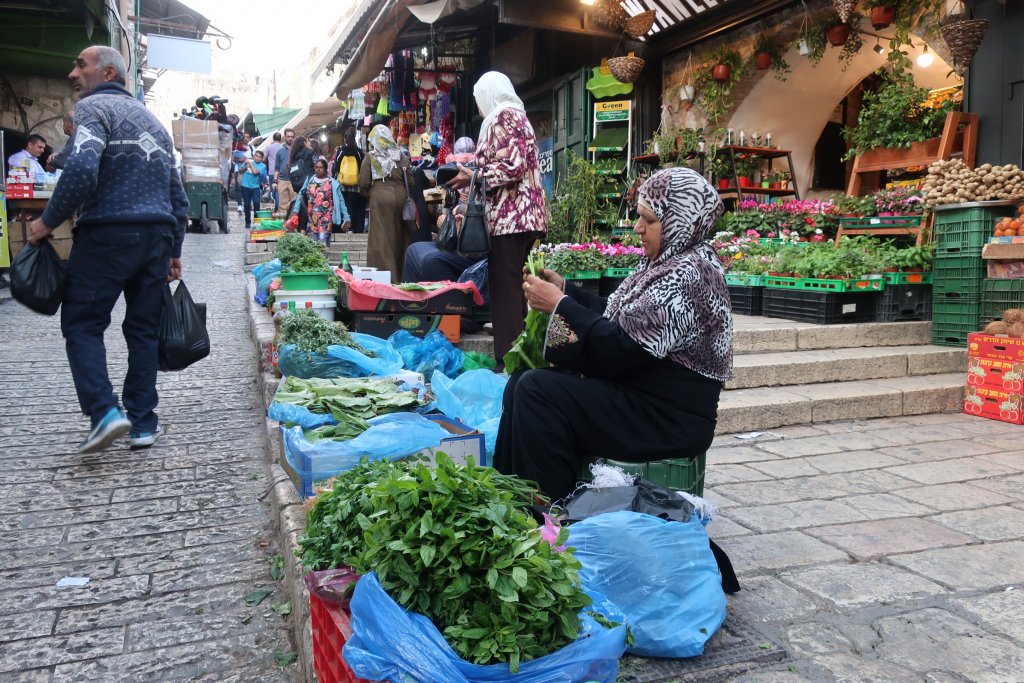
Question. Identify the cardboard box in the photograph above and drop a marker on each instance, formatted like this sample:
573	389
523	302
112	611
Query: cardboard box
1004	252
999	374
1010	349
383	325
1005	270
61	238
994	404
202	174
192	133
462	444
447	303
20	191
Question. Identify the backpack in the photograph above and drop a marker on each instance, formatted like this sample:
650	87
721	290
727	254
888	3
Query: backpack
348	170
297	173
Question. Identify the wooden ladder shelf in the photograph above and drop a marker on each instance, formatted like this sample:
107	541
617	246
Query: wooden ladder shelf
959	135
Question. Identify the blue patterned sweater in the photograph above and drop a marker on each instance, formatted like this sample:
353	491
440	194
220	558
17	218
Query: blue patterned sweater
121	168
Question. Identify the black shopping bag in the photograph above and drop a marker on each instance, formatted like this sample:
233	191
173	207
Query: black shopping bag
37	278
183	336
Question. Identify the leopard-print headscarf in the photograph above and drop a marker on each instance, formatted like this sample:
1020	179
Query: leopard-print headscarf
676	305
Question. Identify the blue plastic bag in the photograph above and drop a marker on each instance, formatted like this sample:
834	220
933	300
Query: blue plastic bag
661	574
265	274
390	436
389	643
473	397
299	415
433	352
340	361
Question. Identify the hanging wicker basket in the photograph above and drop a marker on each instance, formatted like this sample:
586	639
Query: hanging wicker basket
626	69
963	36
844	8
610	14
637	27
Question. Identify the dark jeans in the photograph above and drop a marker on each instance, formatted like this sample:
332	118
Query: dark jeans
251	201
505	288
106	261
356	205
275	196
424	262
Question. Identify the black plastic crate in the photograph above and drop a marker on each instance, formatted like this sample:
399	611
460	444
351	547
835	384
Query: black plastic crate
746	300
608	285
593	285
904	302
820	308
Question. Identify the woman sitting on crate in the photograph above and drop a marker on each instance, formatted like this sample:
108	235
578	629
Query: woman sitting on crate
321	198
636	377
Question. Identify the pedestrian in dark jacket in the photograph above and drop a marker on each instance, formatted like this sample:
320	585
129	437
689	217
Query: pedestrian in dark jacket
132	212
354	199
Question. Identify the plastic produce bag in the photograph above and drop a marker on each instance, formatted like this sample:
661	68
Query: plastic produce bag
473	397
390	436
265	273
37	278
477	361
298	415
389	643
341	361
433	352
183	336
667	584
477	274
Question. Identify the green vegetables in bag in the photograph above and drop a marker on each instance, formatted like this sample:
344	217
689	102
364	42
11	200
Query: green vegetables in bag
527	353
457	545
310	332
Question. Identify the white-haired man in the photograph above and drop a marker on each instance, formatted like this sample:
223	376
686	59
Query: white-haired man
132	211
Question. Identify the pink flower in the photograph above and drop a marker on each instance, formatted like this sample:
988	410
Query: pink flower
549	532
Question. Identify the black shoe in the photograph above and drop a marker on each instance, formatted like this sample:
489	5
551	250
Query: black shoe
3	281
227	230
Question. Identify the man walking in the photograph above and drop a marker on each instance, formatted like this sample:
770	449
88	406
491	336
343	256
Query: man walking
286	194
132	211
271	156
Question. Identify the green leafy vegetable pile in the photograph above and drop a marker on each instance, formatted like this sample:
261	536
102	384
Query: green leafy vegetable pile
349	401
310	332
300	254
455	544
528	350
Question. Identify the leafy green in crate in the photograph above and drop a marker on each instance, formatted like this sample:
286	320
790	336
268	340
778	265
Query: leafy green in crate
349	401
310	332
456	544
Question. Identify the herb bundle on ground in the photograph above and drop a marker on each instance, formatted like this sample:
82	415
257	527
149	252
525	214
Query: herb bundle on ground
528	350
351	402
457	545
310	332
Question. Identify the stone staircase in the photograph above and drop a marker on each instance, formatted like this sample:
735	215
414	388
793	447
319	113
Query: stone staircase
790	373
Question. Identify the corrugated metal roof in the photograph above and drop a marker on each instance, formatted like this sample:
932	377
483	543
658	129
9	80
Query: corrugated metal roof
670	12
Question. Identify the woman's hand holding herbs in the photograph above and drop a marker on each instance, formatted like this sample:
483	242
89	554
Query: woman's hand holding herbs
542	295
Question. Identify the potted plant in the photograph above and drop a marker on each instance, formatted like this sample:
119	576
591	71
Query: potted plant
883	12
784	178
767	54
724	63
721	171
916	259
716	95
746	167
663	143
811	41
768	179
689	141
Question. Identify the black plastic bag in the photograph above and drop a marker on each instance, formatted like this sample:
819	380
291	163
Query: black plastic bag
643	496
37	278
183	336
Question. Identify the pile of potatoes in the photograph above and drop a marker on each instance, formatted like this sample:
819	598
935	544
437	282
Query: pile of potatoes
951	182
1012	324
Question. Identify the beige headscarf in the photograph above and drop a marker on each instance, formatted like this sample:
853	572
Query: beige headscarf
494	92
384	152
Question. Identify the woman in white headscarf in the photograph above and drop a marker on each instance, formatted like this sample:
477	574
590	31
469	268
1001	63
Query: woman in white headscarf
509	163
381	179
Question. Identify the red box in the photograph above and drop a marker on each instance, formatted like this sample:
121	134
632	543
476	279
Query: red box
19	191
453	302
995	404
332	627
989	346
998	374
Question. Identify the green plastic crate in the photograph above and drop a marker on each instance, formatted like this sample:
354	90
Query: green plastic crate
744	280
961	274
583	275
861	284
292	282
678	474
908	278
964	231
999	295
951	334
953	319
618	272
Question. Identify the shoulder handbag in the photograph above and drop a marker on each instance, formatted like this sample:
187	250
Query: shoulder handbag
448	236
409	211
475	236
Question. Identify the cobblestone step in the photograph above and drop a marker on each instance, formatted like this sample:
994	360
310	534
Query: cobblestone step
762	335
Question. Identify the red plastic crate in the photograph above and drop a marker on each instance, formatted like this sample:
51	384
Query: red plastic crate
332	627
995	404
999	374
995	348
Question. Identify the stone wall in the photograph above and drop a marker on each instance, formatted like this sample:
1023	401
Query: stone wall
51	98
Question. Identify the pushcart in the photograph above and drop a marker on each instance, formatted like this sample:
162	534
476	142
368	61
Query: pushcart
207	203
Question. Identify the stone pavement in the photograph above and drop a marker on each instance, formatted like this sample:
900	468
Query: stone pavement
172	539
881	550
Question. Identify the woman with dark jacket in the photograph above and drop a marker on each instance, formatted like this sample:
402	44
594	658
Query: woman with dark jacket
383	178
354	200
300	168
656	352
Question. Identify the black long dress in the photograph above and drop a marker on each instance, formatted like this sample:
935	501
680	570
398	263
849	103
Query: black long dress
607	398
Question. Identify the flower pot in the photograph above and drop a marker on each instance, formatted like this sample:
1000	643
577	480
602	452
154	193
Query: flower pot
763	61
723	183
765	184
687	93
838	35
883	16
963	36
721	72
746	182
775	186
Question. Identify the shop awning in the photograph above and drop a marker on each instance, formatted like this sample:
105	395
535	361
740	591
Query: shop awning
372	54
267	123
43	38
316	116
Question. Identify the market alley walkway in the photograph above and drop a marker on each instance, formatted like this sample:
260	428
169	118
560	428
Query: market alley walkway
172	540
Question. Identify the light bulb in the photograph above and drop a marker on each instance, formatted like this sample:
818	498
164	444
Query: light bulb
323	137
878	48
925	59
586	2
